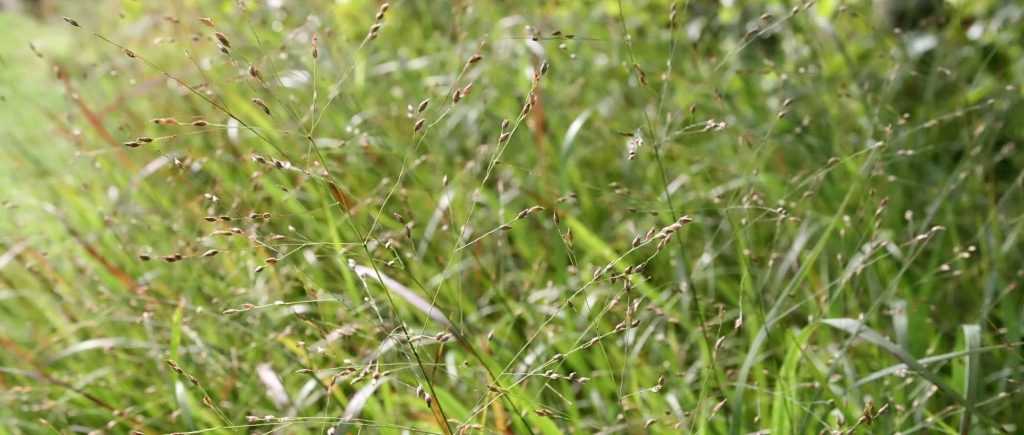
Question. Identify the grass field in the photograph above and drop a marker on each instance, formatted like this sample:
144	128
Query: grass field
453	217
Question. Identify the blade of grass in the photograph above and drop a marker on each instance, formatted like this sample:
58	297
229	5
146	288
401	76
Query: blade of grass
972	341
858	329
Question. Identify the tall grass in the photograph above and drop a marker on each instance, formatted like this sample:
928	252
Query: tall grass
512	217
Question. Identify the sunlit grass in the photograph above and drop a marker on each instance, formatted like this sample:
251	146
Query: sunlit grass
532	217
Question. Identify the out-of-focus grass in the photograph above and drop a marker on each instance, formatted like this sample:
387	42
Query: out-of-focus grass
854	190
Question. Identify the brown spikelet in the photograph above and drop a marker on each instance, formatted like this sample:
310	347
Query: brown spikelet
374	32
200	123
129	53
419	125
261	105
223	39
423	105
316	48
211	253
339	196
71	21
255	73
381	11
207	21
640	74
526	212
474	59
165	121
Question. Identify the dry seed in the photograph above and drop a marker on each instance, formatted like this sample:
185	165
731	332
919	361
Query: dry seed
223	39
261	105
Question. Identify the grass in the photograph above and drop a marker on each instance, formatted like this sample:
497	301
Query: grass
526	217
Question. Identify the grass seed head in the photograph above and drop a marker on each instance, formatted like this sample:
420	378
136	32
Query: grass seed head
255	73
223	39
262	105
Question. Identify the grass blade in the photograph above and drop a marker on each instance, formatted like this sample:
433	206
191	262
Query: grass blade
858	329
972	341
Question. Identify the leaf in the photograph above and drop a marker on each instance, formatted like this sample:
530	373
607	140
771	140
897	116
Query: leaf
573	131
972	340
272	382
404	292
893	369
858	329
339	196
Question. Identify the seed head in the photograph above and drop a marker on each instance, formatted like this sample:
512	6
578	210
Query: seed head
223	39
255	73
640	74
261	105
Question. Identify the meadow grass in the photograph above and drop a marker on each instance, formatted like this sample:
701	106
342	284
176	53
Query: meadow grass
512	217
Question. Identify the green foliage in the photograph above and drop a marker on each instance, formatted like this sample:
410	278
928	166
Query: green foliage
530	217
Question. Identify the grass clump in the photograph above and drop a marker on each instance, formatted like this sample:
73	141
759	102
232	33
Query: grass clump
527	217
